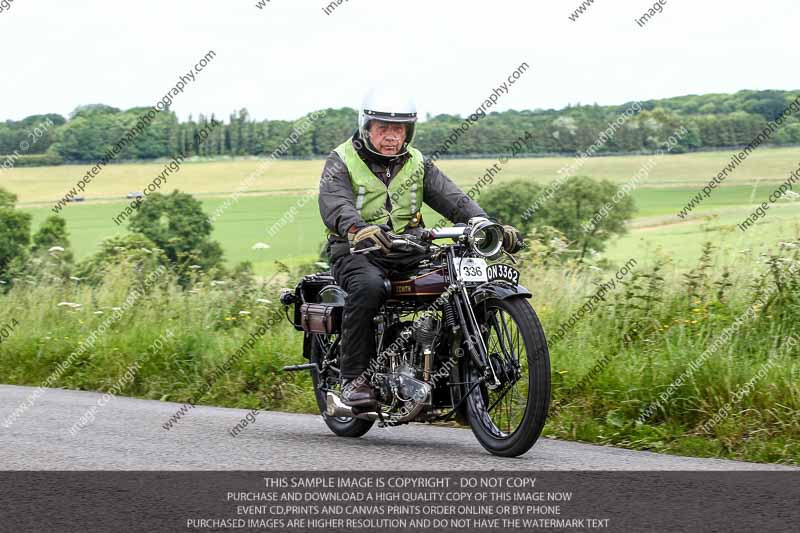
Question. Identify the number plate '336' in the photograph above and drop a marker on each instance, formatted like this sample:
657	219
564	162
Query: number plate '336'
471	269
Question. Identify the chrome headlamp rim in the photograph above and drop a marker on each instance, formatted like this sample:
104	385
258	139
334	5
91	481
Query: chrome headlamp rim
478	225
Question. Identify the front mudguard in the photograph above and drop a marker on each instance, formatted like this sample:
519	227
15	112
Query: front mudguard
499	290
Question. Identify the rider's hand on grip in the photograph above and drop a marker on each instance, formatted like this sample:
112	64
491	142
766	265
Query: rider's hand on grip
512	239
370	238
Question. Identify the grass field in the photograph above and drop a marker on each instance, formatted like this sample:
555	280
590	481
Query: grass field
671	183
661	322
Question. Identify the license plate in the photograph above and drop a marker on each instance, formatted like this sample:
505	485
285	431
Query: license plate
501	272
471	269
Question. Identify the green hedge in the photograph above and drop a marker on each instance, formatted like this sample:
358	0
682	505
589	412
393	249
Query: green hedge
32	160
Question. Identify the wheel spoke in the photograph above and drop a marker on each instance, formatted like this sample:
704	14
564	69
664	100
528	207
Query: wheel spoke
501	335
505	406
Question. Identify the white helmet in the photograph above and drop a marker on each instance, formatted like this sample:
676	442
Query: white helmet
388	106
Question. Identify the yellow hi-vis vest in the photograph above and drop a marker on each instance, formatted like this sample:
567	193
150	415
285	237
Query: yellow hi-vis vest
404	190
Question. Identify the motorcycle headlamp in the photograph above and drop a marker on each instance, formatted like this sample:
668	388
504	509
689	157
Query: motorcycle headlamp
486	238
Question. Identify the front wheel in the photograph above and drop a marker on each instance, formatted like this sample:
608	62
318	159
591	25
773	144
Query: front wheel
508	419
326	376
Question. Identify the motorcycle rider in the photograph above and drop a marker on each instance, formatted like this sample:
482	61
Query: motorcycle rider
373	182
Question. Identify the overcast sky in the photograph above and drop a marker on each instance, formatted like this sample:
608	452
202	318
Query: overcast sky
291	58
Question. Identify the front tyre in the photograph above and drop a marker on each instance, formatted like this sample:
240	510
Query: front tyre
326	376
508	419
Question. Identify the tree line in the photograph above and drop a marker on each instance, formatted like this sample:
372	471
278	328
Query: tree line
712	120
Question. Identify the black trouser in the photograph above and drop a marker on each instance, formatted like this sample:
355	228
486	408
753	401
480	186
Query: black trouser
364	277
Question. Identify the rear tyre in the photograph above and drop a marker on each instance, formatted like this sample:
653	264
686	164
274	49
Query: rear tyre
328	379
508	420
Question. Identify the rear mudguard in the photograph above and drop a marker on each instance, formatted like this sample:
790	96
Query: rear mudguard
499	290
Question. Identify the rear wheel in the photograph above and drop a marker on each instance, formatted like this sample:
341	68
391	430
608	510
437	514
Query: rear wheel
326	376
507	420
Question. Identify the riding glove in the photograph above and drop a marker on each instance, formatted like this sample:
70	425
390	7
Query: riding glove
512	239
367	237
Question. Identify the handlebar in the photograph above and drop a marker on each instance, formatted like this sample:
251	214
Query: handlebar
429	235
400	240
485	238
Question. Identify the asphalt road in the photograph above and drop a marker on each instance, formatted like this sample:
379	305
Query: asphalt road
127	434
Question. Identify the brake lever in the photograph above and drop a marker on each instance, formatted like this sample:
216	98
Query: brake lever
412	243
396	241
401	239
365	250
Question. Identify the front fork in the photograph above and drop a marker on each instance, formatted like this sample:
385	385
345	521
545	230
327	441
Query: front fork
472	334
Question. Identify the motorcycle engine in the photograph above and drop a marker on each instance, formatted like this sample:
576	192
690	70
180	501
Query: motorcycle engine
408	346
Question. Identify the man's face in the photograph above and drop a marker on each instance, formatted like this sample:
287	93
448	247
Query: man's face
387	137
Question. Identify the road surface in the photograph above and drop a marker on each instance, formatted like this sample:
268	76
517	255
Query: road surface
128	434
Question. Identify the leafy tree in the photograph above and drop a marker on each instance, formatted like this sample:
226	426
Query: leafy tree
577	203
332	129
769	104
134	251
568	211
510	203
52	232
714	120
7	199
50	258
15	232
94	109
177	225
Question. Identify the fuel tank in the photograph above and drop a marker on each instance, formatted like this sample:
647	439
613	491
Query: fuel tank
423	286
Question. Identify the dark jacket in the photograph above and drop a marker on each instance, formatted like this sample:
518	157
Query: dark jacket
337	201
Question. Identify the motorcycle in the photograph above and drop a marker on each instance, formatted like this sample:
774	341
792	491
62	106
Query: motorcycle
457	339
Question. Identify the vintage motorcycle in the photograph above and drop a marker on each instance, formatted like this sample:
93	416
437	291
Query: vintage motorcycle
456	338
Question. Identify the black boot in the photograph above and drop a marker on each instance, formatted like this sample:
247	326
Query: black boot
358	393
